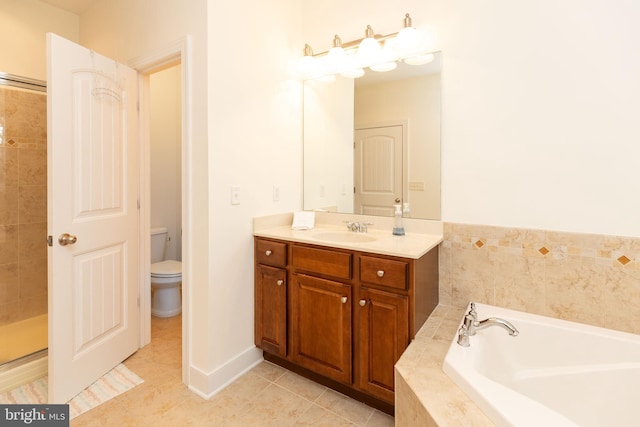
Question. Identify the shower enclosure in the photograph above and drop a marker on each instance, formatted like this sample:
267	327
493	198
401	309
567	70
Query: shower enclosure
23	219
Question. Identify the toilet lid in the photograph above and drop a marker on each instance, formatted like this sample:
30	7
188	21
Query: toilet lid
168	267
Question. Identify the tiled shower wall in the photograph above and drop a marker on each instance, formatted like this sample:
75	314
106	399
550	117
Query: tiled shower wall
587	278
23	204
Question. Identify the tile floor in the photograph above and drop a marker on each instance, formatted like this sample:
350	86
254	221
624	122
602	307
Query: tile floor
268	395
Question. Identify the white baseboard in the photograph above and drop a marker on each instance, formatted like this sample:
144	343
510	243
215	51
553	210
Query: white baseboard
206	385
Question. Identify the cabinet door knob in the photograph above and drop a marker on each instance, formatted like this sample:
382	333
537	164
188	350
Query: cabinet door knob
268	252
279	282
344	300
363	302
380	273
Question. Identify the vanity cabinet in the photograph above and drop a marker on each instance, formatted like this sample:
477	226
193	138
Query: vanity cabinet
341	317
271	296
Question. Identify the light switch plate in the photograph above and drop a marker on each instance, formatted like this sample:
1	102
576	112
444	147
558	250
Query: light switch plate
235	194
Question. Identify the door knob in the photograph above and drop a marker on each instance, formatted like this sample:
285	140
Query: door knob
363	302
397	199
67	239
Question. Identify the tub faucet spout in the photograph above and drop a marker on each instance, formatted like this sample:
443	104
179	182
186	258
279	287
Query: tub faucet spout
471	325
495	321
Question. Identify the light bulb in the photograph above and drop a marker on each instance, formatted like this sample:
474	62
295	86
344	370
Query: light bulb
407	39
369	49
385	66
336	60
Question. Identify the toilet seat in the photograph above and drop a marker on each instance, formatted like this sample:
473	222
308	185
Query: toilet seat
166	269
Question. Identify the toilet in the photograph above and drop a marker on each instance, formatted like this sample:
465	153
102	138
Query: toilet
166	277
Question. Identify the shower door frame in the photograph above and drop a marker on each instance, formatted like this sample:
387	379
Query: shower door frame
40	86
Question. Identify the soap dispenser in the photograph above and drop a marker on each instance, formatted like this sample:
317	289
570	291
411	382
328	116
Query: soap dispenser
398	227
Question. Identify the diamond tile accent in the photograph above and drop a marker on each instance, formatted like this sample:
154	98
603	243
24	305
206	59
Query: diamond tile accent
479	243
624	260
543	250
11	142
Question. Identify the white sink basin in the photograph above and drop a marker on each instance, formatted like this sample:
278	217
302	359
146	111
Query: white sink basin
343	237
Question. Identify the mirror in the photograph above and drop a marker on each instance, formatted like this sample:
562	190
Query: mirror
373	142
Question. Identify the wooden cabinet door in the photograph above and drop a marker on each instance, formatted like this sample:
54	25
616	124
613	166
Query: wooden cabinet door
321	326
271	309
383	331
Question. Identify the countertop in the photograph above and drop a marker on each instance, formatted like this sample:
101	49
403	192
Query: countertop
421	235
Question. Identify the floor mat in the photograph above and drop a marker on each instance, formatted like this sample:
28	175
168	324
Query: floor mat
113	383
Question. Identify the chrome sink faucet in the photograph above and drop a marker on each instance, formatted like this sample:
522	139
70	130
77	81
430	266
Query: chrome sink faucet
471	325
358	227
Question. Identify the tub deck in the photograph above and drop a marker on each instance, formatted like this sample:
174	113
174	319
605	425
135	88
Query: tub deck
425	395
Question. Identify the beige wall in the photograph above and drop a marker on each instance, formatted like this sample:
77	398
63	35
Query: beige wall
23	25
165	123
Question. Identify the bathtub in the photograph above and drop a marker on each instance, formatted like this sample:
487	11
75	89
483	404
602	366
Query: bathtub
553	373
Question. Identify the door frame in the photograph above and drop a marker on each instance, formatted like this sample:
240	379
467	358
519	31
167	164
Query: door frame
178	52
405	147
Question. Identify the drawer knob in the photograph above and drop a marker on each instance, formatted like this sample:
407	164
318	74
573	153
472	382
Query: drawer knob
268	252
380	273
344	300
280	282
363	302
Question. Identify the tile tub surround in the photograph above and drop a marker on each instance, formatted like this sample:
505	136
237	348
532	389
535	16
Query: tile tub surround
426	396
585	278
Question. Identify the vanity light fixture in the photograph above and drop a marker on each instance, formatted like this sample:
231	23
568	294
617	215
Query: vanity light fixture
376	52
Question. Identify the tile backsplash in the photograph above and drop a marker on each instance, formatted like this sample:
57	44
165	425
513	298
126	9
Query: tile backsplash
587	278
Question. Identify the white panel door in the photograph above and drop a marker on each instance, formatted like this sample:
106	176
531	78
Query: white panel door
92	198
378	170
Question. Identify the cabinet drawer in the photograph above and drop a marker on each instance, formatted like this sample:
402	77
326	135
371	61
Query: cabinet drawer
271	253
385	272
322	261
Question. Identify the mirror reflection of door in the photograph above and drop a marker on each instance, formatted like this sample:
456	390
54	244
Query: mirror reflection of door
378	170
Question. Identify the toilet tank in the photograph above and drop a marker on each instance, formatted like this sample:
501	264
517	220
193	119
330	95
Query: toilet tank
158	243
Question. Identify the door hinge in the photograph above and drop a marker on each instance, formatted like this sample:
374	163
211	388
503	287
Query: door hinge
50	240
138	204
138	302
